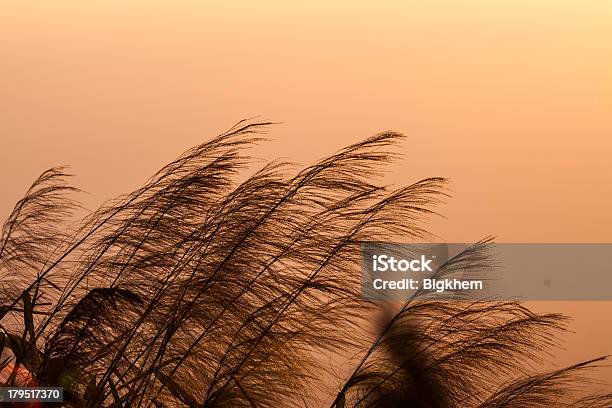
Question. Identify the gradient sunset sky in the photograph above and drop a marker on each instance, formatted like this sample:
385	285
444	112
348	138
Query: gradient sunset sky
512	100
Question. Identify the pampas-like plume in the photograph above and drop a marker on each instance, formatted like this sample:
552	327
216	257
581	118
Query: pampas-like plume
196	290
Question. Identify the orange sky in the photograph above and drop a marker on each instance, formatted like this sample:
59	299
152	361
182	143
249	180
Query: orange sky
510	99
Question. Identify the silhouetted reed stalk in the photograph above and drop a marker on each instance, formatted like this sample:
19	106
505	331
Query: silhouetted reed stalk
196	290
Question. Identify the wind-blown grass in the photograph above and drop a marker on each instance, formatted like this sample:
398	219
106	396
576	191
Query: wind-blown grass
197	290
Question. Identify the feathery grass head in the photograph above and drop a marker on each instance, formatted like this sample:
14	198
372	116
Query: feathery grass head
202	290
